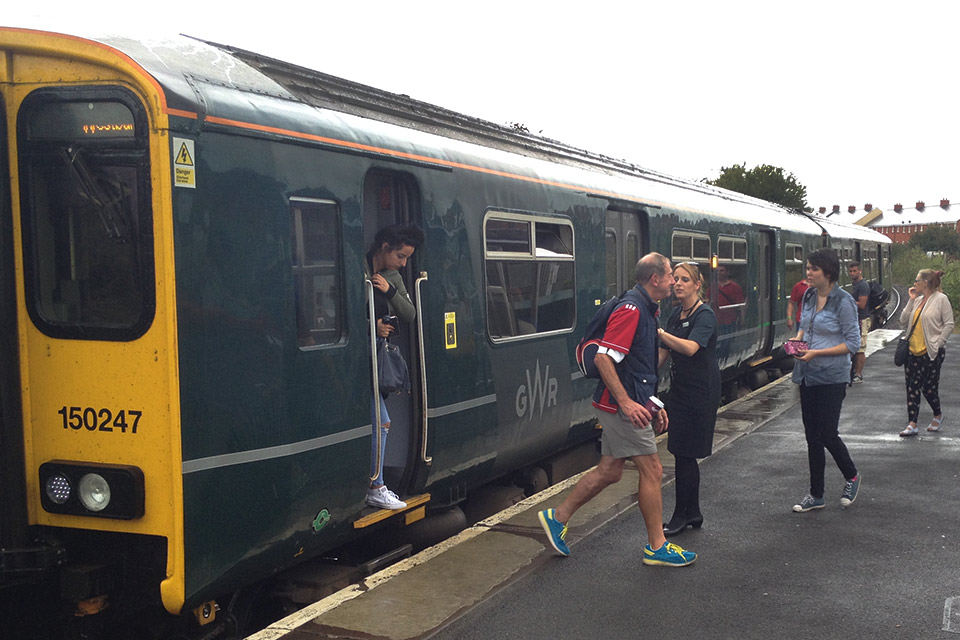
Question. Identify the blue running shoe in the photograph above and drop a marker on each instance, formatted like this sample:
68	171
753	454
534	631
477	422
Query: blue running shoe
669	555
808	503
850	490
556	531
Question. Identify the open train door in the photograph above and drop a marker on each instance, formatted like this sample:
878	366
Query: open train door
393	197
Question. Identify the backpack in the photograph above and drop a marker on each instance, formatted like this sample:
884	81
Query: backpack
878	296
590	343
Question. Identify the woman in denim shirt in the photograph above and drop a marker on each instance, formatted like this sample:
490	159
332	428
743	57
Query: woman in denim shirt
829	325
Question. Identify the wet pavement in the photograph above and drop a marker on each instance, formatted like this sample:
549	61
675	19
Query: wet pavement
886	567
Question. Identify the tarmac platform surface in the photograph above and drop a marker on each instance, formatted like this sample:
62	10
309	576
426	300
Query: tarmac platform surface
888	566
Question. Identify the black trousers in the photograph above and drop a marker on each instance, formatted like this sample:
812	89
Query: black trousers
923	377
820	406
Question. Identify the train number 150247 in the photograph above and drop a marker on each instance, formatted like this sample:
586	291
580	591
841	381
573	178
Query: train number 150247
100	419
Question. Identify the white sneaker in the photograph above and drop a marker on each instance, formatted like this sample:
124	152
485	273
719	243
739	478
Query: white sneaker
383	498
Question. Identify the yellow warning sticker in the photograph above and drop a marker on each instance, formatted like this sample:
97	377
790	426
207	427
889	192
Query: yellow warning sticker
450	329
184	170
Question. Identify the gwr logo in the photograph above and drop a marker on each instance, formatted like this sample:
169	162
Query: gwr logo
540	391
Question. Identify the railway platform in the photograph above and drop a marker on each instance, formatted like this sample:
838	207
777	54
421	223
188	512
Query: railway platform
886	567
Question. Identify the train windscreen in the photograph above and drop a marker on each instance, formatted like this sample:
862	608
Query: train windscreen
86	217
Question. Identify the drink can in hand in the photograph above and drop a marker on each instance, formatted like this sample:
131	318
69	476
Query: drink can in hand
653	404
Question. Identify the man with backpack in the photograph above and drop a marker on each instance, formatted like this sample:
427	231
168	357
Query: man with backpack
629	414
861	295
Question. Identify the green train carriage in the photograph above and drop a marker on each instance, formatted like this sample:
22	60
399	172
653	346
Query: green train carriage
183	247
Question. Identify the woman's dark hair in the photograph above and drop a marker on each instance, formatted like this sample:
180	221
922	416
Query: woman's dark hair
396	236
827	261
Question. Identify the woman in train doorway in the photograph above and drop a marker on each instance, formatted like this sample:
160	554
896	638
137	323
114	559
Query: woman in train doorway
928	339
822	370
392	247
690	340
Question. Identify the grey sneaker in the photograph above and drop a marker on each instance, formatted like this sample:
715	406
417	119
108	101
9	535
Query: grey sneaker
808	503
856	380
850	490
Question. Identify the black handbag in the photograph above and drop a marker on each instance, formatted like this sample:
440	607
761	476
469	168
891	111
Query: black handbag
903	348
392	372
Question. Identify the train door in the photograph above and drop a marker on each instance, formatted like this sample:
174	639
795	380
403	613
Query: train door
623	239
13	515
390	198
765	294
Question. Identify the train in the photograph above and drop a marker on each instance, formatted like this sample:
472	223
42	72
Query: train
186	360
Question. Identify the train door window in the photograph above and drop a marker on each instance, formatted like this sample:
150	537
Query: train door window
732	278
317	271
623	244
389	197
610	263
85	201
529	274
793	268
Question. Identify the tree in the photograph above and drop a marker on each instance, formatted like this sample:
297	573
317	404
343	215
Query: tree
937	238
764	182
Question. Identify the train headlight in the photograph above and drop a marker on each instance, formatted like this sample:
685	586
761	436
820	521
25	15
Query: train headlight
92	489
94	492
58	488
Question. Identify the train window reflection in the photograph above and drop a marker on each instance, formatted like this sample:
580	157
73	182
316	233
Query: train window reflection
315	247
507	236
793	269
529	290
731	302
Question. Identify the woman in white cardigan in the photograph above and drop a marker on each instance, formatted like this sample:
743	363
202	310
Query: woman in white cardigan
927	346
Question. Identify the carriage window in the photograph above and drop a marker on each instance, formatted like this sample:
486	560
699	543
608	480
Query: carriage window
529	275
793	267
691	246
86	212
315	245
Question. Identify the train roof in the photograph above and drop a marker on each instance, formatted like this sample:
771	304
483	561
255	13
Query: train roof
206	78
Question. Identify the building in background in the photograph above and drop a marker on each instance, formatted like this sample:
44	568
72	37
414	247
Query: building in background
899	223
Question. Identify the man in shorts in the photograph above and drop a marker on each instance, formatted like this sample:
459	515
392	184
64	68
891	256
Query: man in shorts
627	362
861	294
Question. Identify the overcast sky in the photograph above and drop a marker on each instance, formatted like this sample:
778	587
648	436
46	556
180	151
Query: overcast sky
857	99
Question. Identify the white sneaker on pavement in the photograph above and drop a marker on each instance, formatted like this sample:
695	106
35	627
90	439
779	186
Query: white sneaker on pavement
383	498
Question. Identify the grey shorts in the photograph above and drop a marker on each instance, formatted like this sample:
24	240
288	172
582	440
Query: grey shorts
620	439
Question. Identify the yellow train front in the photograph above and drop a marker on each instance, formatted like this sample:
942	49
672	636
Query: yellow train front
89	361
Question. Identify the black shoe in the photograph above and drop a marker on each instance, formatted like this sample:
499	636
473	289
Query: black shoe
675	526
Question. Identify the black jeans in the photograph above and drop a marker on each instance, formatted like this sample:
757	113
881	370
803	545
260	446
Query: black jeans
820	406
